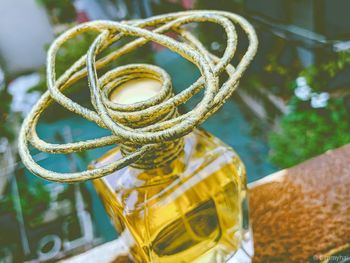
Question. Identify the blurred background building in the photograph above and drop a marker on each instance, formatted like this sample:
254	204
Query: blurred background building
293	104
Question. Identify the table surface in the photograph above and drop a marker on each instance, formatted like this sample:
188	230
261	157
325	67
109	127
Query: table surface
298	214
302	212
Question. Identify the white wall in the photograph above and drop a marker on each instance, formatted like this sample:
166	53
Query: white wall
24	30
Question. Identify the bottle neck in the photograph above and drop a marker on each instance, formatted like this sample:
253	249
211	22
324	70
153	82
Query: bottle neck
162	154
138	90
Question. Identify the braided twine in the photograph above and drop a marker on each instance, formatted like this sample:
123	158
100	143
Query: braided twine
118	118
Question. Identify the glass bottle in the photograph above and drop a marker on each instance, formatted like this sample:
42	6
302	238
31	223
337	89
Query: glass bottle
192	208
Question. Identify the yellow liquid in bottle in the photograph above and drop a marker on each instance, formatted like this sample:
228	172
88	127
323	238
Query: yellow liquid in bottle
190	210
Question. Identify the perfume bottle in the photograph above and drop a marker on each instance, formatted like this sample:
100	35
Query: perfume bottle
174	192
190	207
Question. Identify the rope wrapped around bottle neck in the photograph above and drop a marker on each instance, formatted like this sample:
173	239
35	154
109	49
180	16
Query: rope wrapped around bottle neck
163	152
149	136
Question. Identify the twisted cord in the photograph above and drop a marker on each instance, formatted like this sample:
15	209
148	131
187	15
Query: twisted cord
116	117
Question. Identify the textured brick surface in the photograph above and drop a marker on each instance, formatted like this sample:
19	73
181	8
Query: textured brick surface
302	211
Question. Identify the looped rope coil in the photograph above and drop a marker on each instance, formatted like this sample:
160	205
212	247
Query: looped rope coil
118	118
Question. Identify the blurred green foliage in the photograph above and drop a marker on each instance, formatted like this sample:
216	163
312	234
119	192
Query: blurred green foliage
6	205
60	11
306	132
6	130
35	199
319	76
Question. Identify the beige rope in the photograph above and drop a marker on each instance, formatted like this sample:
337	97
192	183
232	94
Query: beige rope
158	128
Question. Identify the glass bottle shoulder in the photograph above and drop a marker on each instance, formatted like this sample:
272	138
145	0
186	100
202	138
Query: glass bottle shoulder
205	160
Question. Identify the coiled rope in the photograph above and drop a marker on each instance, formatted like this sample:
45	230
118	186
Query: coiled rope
116	117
